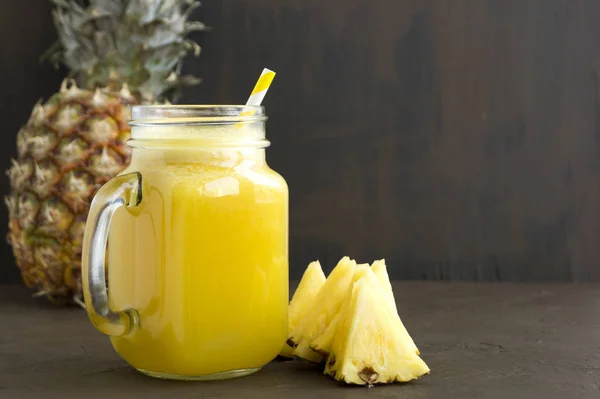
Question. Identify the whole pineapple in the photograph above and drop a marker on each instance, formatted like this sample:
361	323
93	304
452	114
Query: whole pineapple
120	53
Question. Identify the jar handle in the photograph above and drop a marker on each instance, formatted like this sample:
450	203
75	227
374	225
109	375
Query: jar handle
124	190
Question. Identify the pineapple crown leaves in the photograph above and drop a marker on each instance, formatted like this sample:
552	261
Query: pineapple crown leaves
141	43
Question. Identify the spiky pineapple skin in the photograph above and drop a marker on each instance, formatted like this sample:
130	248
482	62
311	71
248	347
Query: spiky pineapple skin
75	142
71	145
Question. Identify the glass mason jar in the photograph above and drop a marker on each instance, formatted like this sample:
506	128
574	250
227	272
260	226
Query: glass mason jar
195	232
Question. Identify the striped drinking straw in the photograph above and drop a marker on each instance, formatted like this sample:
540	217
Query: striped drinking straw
260	89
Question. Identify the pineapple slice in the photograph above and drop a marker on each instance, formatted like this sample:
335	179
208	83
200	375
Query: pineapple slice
369	348
380	270
324	307
322	343
304	296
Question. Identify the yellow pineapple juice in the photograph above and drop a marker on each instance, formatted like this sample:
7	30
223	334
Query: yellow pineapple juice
204	258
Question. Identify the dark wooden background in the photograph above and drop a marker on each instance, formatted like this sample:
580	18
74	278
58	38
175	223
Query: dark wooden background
459	139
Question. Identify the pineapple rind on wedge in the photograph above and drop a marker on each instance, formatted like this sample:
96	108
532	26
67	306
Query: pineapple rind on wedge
370	349
380	270
322	344
303	298
119	53
326	304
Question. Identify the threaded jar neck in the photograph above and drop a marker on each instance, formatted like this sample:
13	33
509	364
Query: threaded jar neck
198	126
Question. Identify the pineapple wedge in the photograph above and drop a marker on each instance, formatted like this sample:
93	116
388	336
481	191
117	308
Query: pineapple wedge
324	307
304	296
380	270
369	348
322	343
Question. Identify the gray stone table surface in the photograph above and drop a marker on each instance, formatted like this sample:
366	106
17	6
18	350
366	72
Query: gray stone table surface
505	341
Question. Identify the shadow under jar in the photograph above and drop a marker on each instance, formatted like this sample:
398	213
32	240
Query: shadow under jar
197	234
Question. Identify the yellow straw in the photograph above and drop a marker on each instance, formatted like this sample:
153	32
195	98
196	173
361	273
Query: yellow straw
260	89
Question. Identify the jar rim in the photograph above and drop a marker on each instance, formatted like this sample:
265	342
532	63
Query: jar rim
200	114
